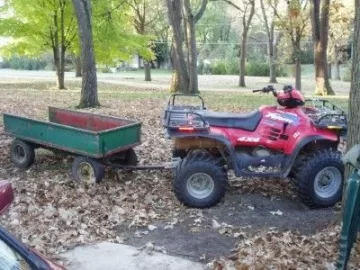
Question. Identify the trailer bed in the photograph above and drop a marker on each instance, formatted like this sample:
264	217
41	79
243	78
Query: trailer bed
87	134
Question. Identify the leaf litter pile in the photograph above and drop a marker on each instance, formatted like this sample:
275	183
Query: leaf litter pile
53	214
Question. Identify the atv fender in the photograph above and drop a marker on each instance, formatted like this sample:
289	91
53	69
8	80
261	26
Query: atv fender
301	145
221	140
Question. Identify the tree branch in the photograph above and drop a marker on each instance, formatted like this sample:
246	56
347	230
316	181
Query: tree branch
201	11
230	3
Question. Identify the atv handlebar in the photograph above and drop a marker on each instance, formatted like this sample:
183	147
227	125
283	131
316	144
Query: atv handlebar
270	88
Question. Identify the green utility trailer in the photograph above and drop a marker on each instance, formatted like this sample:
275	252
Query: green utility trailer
95	140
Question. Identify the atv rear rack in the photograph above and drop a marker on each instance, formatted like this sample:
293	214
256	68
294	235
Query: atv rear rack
326	114
184	120
184	117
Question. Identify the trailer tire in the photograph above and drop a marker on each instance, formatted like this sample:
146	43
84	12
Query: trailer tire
131	157
87	170
22	154
200	169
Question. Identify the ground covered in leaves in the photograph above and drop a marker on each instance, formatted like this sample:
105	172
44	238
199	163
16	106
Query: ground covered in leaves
261	224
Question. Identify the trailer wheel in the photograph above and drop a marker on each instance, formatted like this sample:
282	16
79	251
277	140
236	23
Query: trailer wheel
127	157
22	154
130	157
87	170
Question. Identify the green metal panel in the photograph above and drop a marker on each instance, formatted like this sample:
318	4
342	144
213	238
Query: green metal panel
53	135
125	137
351	219
96	144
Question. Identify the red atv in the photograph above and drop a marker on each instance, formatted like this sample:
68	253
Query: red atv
290	140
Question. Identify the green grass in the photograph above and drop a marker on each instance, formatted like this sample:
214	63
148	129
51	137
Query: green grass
224	100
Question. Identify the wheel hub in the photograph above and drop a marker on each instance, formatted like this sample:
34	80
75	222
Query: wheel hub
86	172
200	185
327	182
19	153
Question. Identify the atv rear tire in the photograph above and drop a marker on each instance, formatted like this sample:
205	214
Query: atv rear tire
320	178
200	180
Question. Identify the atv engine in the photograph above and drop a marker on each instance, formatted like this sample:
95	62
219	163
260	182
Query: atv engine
260	159
261	152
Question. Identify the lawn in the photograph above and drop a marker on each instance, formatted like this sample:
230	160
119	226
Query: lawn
51	214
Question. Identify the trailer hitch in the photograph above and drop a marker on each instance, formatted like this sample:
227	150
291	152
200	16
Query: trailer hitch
165	166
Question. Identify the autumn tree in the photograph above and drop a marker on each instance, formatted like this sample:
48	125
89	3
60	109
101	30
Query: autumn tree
146	14
320	28
89	95
340	27
113	33
34	32
247	11
293	22
273	40
182	18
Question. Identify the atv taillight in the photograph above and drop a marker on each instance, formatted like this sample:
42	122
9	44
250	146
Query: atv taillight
186	128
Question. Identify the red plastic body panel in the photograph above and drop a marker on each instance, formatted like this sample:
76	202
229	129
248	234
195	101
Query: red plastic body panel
295	94
6	195
280	129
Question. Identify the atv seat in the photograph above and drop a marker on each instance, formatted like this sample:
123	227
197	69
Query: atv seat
245	121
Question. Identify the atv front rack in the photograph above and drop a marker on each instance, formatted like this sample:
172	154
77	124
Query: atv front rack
326	114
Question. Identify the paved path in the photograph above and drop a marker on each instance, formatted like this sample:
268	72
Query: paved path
112	256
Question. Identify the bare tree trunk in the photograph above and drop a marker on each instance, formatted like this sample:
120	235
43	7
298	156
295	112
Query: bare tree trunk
62	44
175	79
353	134
77	64
56	52
246	22
272	65
298	71
330	70
242	60
147	69
192	51
337	71
89	95
320	24
270	27
175	17
59	78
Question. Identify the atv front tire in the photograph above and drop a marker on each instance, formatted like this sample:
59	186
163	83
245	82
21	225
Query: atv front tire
200	180
320	178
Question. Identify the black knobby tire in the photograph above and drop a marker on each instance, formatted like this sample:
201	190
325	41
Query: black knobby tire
179	153
22	154
127	157
131	157
87	170
202	165
321	167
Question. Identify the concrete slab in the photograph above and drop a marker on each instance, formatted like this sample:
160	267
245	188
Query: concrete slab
112	256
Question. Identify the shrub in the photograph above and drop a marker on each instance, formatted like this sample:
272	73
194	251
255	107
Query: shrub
219	68
346	76
106	69
232	66
262	69
23	62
